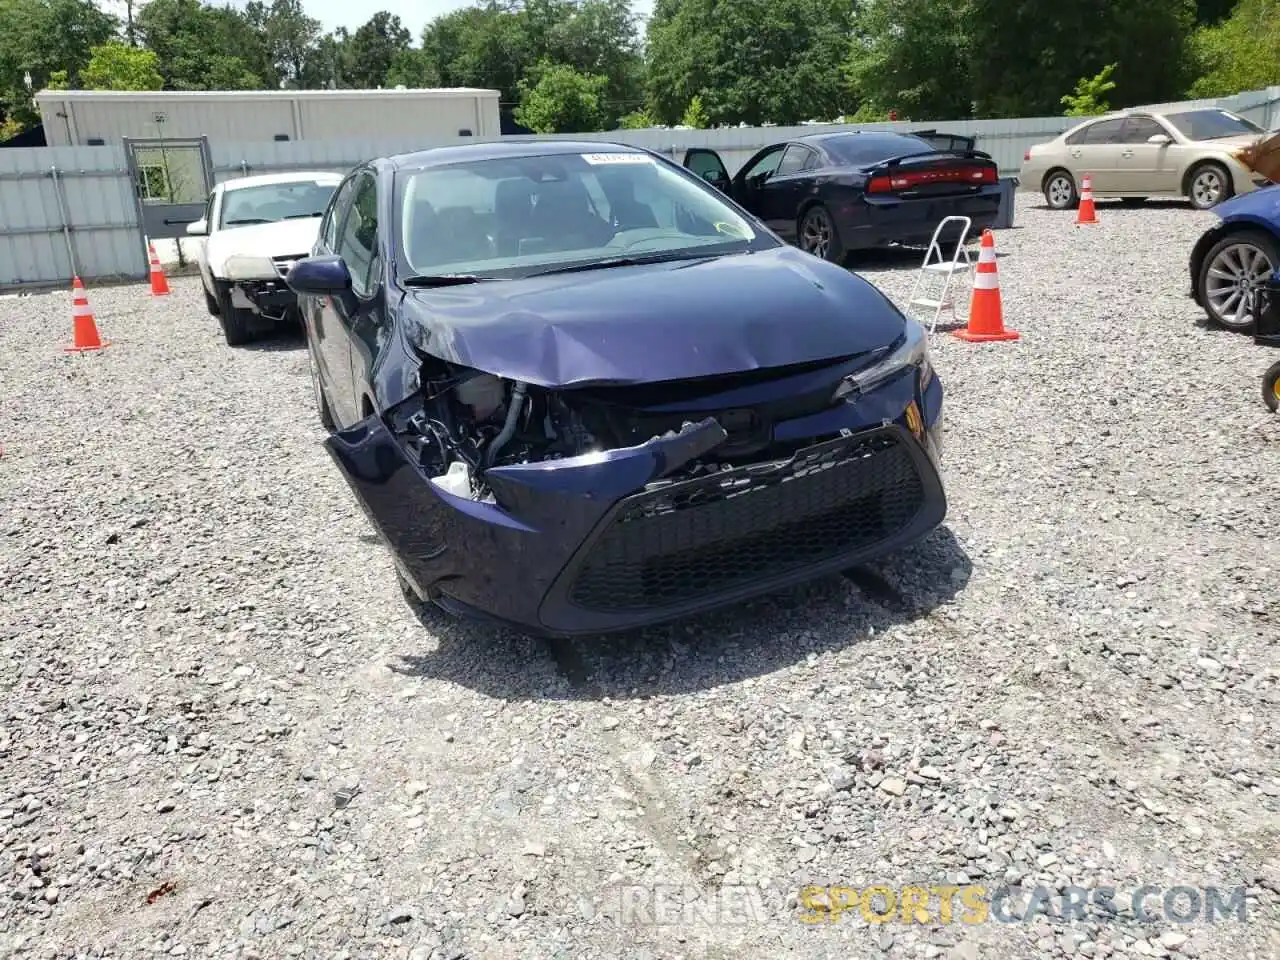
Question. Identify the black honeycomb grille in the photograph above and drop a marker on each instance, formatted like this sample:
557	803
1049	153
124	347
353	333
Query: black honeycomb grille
702	537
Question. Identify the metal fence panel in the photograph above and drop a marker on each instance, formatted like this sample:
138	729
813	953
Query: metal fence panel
98	199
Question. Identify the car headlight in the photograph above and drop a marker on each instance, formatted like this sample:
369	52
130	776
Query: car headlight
911	350
241	267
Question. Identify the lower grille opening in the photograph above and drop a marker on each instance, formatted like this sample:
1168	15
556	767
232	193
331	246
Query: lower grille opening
703	537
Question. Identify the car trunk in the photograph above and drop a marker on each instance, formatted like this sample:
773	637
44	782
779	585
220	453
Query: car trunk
925	176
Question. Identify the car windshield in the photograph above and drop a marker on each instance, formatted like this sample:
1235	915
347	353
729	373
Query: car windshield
860	149
514	217
1211	124
275	201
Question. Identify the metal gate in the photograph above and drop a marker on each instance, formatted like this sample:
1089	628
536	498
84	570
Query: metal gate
171	183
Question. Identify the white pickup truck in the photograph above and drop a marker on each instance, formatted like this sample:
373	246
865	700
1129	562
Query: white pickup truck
254	230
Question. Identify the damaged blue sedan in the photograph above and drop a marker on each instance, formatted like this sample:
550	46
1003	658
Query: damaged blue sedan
578	390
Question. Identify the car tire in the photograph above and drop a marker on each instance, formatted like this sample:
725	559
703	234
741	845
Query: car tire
1271	388
235	322
210	301
1232	255
322	402
1208	184
1060	191
816	234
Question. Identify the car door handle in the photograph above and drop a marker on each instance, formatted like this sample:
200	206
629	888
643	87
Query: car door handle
1076	154
1127	153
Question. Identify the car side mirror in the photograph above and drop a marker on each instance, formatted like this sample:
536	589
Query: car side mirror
325	276
197	229
1159	139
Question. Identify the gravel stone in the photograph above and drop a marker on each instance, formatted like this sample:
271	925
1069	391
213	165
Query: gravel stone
1073	682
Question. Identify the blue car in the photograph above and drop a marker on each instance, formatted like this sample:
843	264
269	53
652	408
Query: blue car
1236	256
577	390
832	193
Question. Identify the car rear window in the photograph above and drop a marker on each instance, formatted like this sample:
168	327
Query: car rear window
860	149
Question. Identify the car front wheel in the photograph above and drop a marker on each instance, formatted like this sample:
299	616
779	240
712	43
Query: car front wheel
1232	269
235	322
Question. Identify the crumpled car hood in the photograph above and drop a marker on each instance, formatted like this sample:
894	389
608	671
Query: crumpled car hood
661	322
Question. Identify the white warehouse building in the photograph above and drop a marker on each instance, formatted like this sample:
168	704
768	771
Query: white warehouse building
100	117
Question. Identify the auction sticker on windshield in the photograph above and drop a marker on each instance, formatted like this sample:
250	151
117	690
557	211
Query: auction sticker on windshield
616	158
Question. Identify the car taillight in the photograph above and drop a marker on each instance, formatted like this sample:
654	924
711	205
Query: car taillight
907	180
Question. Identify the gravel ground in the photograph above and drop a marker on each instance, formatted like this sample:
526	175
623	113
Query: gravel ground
225	734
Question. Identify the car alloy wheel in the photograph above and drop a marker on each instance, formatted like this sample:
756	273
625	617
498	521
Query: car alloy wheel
1060	191
815	234
1235	271
1207	188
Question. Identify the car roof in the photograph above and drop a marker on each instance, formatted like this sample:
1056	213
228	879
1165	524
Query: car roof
265	179
497	150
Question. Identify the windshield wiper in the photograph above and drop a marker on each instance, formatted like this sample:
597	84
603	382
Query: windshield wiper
444	279
303	216
243	221
627	262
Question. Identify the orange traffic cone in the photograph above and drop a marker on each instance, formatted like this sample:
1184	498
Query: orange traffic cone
1086	214
84	328
986	313
159	285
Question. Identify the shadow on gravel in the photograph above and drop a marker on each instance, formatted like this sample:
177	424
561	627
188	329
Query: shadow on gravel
728	646
288	339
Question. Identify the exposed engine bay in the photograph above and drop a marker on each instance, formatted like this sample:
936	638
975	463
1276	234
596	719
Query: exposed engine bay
463	422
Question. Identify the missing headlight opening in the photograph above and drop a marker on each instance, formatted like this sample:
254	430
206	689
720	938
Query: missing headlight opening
462	423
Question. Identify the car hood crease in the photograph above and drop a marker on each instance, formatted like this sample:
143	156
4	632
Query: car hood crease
662	322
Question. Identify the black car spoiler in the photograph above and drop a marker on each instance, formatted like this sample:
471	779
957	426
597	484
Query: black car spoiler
931	155
947	142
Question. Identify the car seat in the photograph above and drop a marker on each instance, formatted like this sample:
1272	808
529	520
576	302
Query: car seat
563	218
512	209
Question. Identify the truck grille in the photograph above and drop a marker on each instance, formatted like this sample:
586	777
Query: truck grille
702	537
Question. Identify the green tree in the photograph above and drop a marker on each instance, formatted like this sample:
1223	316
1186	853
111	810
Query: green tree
1025	55
695	115
413	68
368	55
499	44
118	66
563	101
44	38
1241	53
191	43
1090	95
752	61
637	120
912	56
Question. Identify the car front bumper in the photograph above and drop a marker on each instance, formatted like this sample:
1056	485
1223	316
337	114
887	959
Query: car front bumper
270	298
590	546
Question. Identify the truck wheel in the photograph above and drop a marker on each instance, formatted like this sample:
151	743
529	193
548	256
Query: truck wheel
235	322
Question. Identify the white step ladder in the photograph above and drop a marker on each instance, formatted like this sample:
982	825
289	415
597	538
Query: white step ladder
938	269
